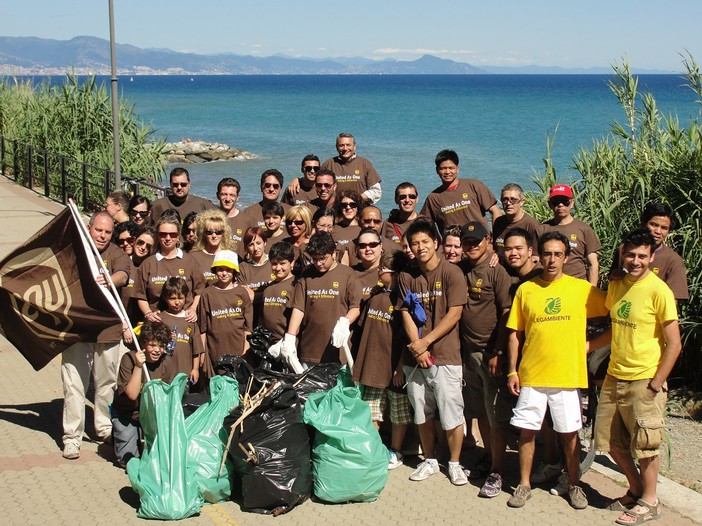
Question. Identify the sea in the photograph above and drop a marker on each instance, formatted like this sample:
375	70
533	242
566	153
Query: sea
498	124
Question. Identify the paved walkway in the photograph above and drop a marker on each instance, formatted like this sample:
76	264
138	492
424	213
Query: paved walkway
40	487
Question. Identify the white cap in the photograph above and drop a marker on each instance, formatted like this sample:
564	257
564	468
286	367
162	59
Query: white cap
226	258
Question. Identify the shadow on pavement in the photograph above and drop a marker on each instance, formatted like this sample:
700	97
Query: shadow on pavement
40	416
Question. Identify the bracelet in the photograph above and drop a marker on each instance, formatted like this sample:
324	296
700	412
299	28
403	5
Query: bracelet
653	388
513	373
421	353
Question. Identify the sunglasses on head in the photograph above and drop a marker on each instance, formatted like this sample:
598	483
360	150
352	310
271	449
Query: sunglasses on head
271	185
402	197
168	234
372	244
296	222
140	214
324	185
311	168
349	205
179	185
142	243
214	232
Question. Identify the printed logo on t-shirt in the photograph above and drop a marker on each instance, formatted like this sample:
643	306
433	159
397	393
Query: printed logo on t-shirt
239	231
553	306
284	293
272	277
655	270
335	284
181	272
239	303
465	196
437	285
357	172
624	309
104	262
573	237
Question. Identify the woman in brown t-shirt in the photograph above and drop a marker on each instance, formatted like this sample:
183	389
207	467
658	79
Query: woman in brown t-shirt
212	233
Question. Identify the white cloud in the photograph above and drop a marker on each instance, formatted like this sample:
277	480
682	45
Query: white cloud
422	51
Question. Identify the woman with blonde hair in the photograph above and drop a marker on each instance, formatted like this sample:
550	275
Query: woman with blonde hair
212	233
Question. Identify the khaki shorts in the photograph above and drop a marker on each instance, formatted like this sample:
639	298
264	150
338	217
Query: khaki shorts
436	389
378	400
484	394
630	418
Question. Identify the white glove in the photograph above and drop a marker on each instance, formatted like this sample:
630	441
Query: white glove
288	350
341	332
274	350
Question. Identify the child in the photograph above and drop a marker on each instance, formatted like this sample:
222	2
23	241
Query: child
274	312
153	339
378	365
225	312
187	352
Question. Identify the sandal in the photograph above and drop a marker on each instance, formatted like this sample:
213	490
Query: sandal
620	505
642	512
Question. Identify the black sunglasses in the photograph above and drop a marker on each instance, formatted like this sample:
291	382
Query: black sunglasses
324	185
372	244
311	168
214	232
271	185
406	196
140	214
181	185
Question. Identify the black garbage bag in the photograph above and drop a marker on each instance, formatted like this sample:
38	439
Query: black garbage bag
319	377
235	367
276	474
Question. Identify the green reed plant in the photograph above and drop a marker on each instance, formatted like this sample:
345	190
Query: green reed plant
649	157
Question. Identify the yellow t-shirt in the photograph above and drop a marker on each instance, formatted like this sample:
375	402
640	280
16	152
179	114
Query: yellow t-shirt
638	310
553	316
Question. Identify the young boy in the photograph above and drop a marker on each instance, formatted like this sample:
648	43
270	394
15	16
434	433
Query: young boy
225	313
153	339
273	213
188	352
378	365
275	307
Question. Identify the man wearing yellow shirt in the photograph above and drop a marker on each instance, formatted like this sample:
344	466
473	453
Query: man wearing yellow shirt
645	345
549	314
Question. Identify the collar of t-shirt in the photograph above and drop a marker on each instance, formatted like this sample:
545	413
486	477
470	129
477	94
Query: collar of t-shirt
179	254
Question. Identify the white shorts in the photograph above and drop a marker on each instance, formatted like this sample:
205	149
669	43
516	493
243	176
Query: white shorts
437	388
564	404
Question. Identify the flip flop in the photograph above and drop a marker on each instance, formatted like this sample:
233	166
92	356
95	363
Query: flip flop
618	505
648	512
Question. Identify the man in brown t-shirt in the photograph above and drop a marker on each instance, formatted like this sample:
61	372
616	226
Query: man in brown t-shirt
512	199
271	184
228	190
180	198
437	289
400	218
457	201
352	171
301	190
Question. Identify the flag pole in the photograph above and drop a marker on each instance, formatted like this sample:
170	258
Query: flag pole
114	300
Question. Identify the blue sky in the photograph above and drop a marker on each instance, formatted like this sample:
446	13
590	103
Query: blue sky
593	33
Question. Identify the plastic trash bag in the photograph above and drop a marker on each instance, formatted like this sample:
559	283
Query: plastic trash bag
206	439
278	476
160	477
349	460
319	377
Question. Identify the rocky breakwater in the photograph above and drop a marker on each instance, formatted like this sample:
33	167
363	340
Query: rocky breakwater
187	151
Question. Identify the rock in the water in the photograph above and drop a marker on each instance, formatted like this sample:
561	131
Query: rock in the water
187	151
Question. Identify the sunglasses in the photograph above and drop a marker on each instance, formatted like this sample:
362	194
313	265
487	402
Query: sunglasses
275	186
142	243
402	197
214	232
371	221
324	185
349	205
372	244
140	214
123	240
179	185
296	222
558	201
311	168
510	200
172	235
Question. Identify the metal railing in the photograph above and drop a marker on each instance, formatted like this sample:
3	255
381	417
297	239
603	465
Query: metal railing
60	177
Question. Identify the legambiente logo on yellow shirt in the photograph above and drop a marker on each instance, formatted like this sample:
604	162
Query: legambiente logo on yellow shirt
553	306
624	309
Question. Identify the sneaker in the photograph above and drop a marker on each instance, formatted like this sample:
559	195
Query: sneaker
395	459
492	486
71	451
562	486
546	473
456	474
425	470
577	497
520	496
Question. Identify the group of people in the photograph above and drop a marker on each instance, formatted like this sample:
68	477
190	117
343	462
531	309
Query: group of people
445	316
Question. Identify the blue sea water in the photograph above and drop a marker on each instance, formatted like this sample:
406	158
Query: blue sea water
498	124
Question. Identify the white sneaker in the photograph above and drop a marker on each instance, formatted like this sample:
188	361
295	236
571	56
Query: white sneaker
395	459
425	470
71	451
456	474
546	473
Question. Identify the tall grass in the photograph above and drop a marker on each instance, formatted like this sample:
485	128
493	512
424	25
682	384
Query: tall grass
75	119
647	158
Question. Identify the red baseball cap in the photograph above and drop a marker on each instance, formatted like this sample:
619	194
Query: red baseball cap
561	190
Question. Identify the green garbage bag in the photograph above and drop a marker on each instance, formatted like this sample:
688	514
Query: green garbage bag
349	461
160	476
207	437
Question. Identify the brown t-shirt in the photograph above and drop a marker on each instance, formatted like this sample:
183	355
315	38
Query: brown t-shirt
488	296
368	279
153	273
188	341
192	203
394	229
254	214
343	235
382	342
357	174
469	201
203	260
439	289
224	316
115	260
256	277
668	266
583	242
324	298
501	226
239	223
302	197
388	246
275	307
163	369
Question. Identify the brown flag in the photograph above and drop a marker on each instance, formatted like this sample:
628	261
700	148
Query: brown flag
49	299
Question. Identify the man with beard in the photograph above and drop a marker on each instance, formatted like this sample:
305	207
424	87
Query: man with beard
180	198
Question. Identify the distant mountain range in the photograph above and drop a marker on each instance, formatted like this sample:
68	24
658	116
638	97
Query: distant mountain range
91	55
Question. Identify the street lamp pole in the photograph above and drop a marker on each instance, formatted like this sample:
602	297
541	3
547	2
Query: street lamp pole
115	101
